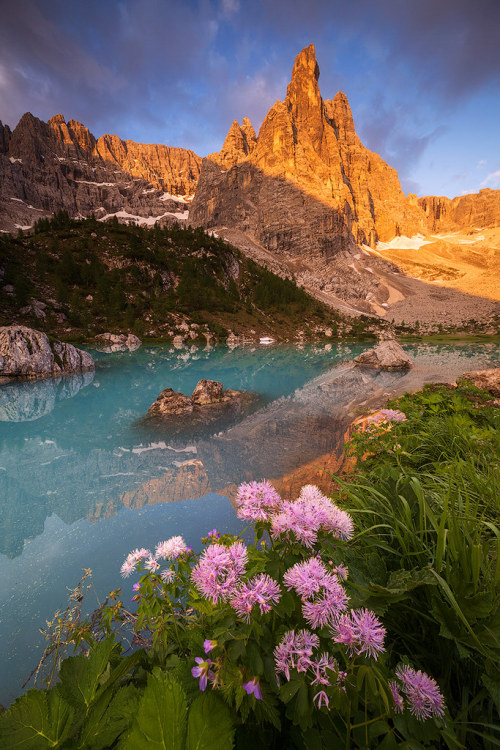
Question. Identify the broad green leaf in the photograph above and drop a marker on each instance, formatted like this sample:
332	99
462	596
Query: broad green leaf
36	721
209	724
107	721
160	721
80	676
289	689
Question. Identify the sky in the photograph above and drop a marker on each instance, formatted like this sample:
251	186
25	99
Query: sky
422	76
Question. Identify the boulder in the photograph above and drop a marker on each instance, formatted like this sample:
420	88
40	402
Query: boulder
388	355
488	380
25	352
207	392
117	342
171	403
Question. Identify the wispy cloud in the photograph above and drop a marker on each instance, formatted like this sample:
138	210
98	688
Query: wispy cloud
492	180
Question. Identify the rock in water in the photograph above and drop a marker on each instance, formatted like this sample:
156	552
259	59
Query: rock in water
169	403
25	352
388	355
488	380
207	392
117	342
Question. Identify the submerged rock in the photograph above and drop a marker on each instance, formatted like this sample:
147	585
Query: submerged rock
171	402
117	342
25	352
388	355
488	380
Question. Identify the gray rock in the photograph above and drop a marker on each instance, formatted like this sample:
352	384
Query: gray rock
388	355
26	352
207	392
117	342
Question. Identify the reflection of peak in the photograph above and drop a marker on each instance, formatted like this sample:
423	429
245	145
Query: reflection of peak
28	401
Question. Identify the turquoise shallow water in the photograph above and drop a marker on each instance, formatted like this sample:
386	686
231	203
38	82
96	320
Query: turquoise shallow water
82	483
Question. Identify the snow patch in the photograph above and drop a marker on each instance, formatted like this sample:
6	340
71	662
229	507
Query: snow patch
89	182
404	243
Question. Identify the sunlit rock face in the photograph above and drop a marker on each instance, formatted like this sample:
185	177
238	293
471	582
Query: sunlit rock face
46	167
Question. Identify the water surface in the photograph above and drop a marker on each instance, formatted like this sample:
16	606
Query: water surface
82	482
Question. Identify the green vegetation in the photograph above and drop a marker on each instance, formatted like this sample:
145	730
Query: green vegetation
95	277
426	501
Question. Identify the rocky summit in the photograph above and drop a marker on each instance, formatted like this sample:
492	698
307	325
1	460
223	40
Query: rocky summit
308	195
59	165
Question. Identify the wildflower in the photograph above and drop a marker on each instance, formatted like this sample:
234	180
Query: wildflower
387	415
138	555
152	564
262	590
171	549
306	577
202	671
295	651
397	697
136	587
368	632
253	687
341	572
321	592
218	572
256	500
167	575
128	567
422	692
308	515
209	645
322	699
214	534
320	666
343	632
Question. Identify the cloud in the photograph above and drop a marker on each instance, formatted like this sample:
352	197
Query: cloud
492	180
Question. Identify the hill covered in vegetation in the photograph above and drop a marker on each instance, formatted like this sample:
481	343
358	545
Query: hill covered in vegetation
75	279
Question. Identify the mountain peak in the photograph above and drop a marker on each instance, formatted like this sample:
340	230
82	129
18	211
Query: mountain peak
305	62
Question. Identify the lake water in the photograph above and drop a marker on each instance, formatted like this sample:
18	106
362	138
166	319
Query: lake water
82	482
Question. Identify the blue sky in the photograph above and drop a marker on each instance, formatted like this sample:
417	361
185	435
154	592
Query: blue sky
422	76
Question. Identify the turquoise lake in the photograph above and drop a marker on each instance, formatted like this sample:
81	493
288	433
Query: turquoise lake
83	481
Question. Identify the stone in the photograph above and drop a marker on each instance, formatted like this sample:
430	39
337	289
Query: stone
25	352
171	403
488	380
388	355
207	392
117	342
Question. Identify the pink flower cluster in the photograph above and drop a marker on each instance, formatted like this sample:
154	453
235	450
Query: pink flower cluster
262	590
219	570
311	513
421	691
387	415
256	501
295	651
323	596
360	631
168	550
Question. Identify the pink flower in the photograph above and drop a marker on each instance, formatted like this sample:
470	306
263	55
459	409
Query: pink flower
262	590
218	572
138	555
152	564
369	633
167	575
295	651
128	567
253	687
343	632
202	670
422	692
256	500
308	515
322	699
209	645
396	695
171	549
306	578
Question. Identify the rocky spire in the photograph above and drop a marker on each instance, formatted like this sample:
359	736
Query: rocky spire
303	98
239	142
5	136
339	115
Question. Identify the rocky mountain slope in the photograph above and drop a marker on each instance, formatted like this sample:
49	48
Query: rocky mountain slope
48	167
309	195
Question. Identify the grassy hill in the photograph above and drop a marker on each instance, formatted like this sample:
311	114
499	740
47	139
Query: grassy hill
74	279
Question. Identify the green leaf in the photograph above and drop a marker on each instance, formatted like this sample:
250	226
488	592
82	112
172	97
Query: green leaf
80	676
107	721
38	719
493	688
289	689
160	721
209	724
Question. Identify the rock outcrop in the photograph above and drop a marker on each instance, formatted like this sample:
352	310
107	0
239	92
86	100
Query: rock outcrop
388	355
25	352
47	167
117	342
207	393
488	380
477	210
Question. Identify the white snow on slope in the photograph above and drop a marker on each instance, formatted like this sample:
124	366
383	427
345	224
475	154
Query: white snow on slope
403	243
